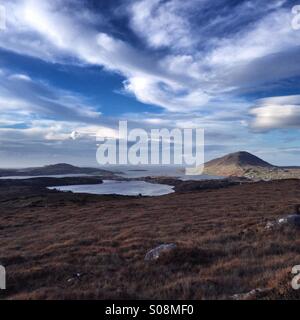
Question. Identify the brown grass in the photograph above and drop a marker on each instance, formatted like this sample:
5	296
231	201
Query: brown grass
223	248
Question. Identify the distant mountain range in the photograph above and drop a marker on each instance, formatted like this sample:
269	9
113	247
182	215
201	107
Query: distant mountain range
56	169
245	164
238	164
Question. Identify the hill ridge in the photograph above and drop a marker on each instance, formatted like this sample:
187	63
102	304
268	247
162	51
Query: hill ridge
54	169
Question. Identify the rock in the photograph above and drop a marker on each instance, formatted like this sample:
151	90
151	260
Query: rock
249	295
155	253
291	220
76	276
270	225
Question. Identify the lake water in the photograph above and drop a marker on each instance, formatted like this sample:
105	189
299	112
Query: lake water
132	172
125	188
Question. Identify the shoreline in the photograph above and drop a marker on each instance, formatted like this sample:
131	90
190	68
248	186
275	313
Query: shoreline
40	184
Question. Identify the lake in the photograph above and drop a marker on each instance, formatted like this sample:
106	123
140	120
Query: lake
124	188
133	172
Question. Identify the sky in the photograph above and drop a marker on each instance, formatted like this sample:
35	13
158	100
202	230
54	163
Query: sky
229	67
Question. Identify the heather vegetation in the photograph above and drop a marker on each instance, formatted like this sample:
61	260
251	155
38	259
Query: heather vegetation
67	246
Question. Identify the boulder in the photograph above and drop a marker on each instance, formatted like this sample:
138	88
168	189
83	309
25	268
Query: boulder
155	253
292	220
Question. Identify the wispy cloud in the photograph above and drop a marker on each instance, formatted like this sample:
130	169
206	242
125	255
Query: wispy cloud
163	23
23	98
192	71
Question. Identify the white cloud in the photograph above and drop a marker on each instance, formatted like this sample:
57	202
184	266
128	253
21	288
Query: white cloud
270	35
54	131
24	77
276	113
173	97
162	24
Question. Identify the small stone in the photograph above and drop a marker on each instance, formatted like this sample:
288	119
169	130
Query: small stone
270	225
249	295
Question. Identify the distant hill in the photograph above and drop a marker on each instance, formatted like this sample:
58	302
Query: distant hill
241	158
235	164
245	164
56	169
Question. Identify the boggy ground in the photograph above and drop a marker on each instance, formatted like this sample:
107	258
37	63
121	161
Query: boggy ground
223	248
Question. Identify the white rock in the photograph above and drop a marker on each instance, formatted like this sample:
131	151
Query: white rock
291	220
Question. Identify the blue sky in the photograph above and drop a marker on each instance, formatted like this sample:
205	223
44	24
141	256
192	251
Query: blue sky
230	67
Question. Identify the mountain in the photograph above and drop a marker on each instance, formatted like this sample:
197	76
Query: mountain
56	169
60	168
237	164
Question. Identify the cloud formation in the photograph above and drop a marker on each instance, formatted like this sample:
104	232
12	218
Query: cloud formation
194	60
191	71
22	98
276	113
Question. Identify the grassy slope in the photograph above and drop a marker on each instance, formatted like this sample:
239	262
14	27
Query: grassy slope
223	247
